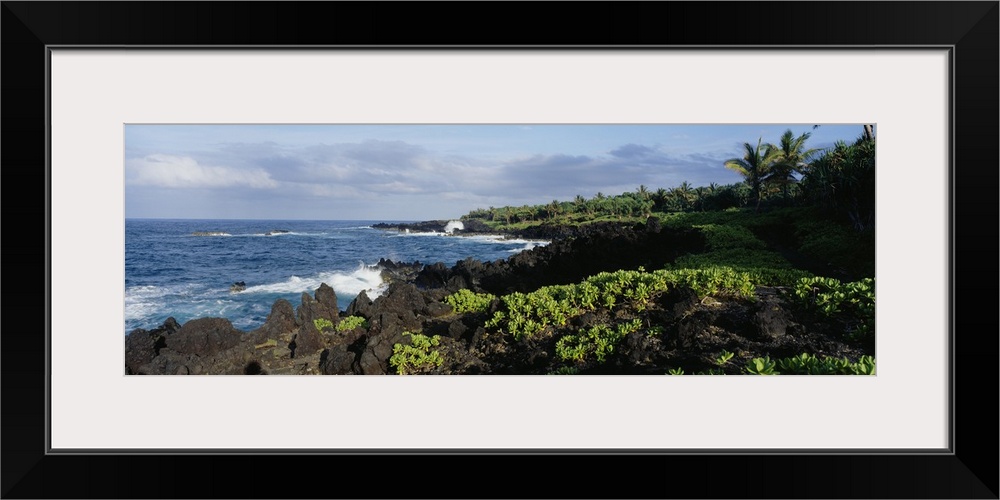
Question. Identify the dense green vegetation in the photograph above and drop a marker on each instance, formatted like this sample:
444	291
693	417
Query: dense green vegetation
465	301
322	324
526	315
852	303
800	216
417	357
351	322
547	312
636	205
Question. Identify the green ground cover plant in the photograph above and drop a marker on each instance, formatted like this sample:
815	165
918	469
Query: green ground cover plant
351	322
467	301
417	357
853	302
526	315
322	324
599	341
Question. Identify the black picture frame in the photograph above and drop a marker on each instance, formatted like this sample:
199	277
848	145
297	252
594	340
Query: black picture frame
970	28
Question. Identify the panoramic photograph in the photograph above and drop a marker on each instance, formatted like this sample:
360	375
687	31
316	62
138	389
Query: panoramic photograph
533	249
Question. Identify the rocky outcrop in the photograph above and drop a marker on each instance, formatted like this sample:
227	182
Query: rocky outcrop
280	321
361	306
204	336
592	249
431	226
470	226
142	346
309	339
395	313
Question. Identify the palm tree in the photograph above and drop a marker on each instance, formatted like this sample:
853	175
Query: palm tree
790	157
553	209
869	132
701	192
684	194
753	166
660	200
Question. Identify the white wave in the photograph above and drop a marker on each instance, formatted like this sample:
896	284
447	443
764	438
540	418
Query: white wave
142	301
146	301
294	233
486	238
364	278
291	285
254	235
210	233
344	283
499	239
270	234
528	246
408	233
482	238
451	226
211	307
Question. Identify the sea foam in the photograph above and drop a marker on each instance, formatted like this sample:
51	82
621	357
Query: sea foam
364	278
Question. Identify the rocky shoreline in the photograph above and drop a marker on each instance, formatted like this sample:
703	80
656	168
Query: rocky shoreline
680	331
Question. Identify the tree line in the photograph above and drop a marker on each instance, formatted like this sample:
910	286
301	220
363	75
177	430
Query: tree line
839	180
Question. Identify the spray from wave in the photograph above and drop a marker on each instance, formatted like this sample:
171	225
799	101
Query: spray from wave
364	278
210	233
528	245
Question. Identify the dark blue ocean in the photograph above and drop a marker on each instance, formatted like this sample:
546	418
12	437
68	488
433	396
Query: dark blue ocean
184	268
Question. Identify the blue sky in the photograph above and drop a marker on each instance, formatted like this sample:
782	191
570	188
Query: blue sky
419	172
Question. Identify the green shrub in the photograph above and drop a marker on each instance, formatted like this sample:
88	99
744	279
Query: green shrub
465	301
724	357
527	315
802	364
838	245
655	331
322	324
417	357
774	277
852	302
351	322
599	341
810	364
715	281
760	366
723	236
732	257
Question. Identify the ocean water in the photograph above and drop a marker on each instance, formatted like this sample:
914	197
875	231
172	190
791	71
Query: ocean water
184	268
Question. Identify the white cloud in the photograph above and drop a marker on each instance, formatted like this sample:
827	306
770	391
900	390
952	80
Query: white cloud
185	172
